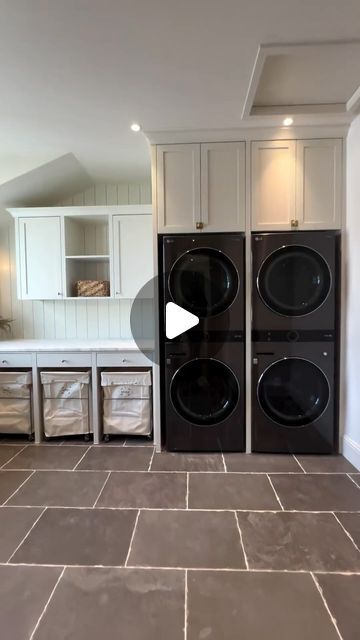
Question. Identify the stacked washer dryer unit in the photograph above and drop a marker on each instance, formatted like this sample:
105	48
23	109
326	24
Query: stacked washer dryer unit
295	301
203	369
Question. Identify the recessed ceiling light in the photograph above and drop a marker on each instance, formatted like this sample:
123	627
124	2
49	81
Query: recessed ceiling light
135	127
288	122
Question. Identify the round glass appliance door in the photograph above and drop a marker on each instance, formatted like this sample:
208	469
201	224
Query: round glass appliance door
293	392
204	391
294	280
204	281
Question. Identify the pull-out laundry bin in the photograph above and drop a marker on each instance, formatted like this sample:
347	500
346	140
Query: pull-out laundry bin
66	403
126	402
15	402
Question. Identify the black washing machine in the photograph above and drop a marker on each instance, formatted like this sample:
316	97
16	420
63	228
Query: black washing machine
204	274
295	282
204	390
293	403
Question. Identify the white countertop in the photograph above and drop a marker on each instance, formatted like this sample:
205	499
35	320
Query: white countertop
75	345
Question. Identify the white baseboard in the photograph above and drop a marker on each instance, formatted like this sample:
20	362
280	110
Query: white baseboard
351	451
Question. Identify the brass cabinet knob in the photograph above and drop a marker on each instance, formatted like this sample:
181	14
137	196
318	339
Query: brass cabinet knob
294	223
199	225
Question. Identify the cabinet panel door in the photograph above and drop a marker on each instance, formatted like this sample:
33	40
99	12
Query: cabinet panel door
40	258
319	180
273	184
132	255
178	187
223	186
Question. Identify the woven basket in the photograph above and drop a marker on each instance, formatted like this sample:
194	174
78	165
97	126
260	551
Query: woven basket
92	288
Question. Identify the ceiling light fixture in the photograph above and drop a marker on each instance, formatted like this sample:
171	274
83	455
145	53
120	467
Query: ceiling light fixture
288	122
135	127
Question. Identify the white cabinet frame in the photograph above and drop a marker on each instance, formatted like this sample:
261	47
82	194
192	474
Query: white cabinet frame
326	197
197	194
110	214
230	214
189	188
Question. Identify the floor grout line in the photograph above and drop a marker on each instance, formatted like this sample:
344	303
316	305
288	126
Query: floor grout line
151	459
13	457
248	473
16	490
353	480
347	533
333	620
102	489
47	604
186	605
241	540
132	538
224	463
187	490
82	457
276	495
174	568
27	534
196	509
300	465
138	446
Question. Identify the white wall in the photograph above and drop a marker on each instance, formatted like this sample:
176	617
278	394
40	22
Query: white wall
70	318
351	443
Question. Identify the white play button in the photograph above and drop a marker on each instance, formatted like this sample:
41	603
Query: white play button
178	320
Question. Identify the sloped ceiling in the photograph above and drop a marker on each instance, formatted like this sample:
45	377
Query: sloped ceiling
45	185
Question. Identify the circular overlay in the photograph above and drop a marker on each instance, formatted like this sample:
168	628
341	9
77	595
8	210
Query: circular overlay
143	322
143	319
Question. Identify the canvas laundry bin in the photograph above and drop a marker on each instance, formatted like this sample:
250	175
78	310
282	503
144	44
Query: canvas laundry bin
15	402
65	402
127	402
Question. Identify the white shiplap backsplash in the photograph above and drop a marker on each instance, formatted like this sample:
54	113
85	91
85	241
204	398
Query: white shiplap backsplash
70	318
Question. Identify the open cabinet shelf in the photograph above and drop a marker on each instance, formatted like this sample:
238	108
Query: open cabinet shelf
86	251
86	236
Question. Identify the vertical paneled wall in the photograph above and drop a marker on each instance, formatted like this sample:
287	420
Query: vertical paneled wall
70	318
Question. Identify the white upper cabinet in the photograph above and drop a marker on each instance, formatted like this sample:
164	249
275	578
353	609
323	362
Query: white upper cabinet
223	186
56	247
272	184
201	187
318	184
133	255
40	258
178	187
296	184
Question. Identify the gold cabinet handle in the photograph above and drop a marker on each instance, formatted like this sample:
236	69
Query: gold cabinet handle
294	223
199	225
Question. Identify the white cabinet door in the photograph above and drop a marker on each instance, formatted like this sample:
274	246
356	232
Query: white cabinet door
273	184
178	187
223	186
132	254
318	184
40	258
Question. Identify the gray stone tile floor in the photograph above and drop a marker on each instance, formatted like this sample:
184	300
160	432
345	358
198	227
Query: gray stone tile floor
94	539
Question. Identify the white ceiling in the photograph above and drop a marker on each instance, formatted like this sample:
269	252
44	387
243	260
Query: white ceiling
75	73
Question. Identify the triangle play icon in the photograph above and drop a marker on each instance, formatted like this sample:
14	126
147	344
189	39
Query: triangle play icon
178	320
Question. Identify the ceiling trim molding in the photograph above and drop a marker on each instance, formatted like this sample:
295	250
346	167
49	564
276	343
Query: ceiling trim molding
261	129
